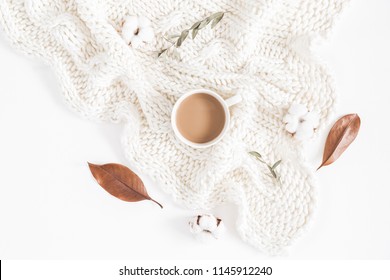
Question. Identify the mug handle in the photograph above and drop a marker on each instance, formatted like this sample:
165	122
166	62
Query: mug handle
233	100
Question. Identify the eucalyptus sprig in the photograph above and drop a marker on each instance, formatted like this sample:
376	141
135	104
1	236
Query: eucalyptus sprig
214	19
271	168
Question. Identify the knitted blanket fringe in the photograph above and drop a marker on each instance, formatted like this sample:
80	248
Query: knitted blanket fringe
255	51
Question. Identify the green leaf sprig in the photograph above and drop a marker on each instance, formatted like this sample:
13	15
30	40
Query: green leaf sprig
271	168
214	19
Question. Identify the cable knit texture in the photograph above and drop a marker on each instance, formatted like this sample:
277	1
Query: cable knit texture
258	50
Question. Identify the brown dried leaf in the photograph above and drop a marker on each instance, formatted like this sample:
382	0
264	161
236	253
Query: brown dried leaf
121	182
342	134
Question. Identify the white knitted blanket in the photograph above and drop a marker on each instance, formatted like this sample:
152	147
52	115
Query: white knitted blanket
256	51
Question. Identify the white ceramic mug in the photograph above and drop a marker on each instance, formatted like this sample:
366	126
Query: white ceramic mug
225	104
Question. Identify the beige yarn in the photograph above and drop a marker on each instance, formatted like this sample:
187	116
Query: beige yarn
252	51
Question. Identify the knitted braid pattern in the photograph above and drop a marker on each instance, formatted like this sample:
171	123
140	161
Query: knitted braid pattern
252	52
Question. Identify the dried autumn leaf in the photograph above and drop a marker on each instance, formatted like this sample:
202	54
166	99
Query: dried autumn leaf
121	182
342	134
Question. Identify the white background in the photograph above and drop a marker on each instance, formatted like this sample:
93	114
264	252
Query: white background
50	206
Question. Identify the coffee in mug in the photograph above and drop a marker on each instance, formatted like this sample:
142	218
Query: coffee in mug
201	118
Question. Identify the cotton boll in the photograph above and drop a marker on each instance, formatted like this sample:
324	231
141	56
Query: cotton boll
313	118
129	29
303	134
300	122
206	226
298	110
292	125
219	231
288	118
305	131
194	227
146	34
136	42
131	24
127	34
208	222
143	22
137	30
